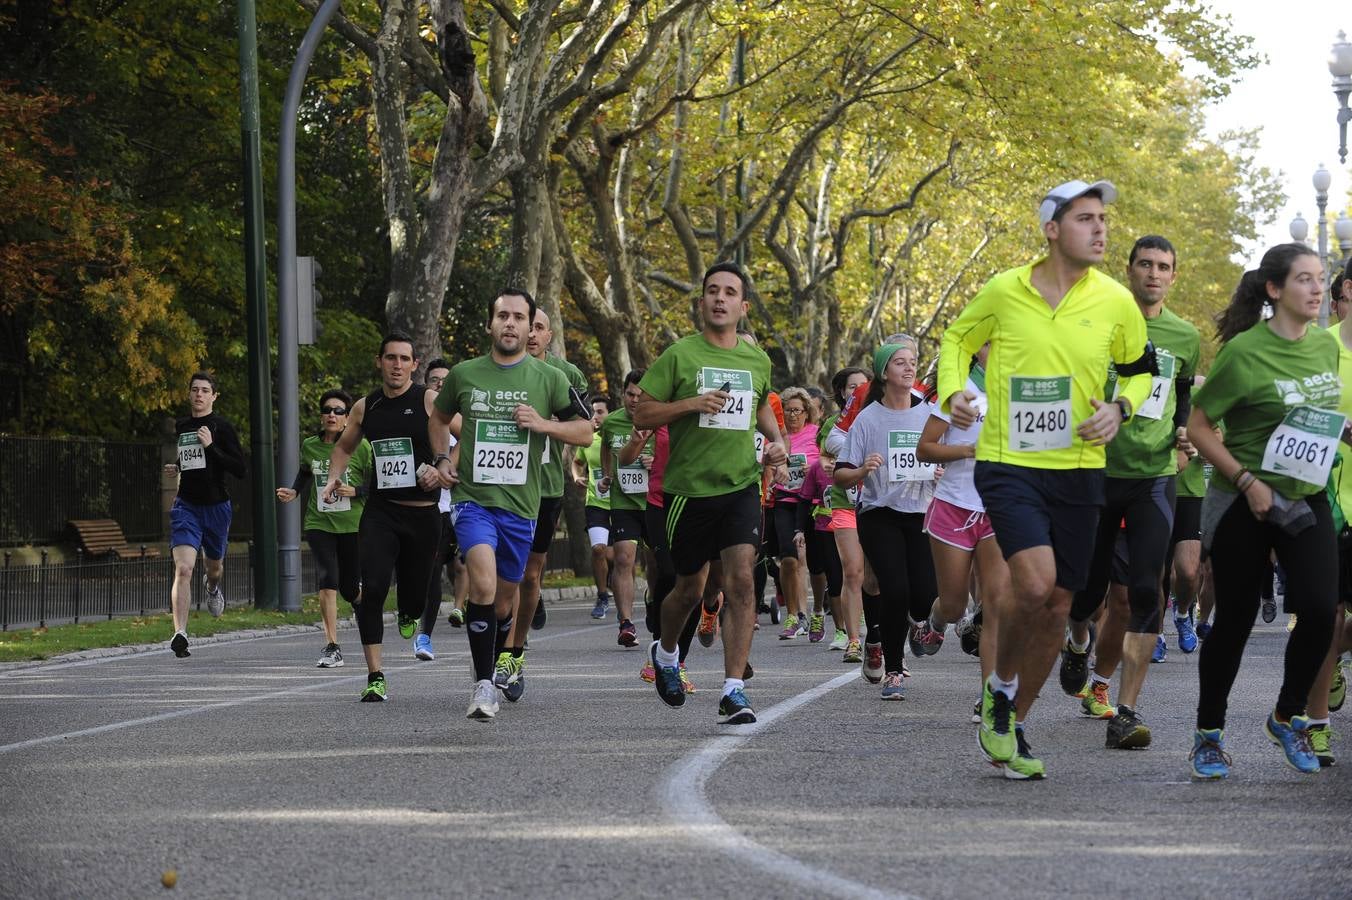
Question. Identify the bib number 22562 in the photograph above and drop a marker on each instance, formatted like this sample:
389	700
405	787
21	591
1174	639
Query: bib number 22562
500	450
1039	413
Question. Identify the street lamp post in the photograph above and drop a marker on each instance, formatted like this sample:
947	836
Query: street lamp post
1299	228
1342	230
1340	67
1322	180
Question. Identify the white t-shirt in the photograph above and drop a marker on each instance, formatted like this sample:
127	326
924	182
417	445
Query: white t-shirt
444	503
957	486
873	431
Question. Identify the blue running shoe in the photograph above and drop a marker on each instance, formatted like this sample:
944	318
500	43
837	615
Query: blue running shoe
735	709
1294	739
1203	630
1161	650
1210	762
422	648
668	680
1187	635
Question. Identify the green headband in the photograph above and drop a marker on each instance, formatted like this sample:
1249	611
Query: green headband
883	355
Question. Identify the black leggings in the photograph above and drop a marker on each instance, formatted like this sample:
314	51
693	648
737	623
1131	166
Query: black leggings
824	559
395	539
1239	554
1147	504
899	552
663	581
337	562
447	551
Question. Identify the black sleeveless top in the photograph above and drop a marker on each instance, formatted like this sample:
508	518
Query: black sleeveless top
397	430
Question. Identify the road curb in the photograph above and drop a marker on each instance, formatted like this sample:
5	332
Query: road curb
549	596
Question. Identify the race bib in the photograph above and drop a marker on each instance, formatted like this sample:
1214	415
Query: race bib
544	454
191	453
1160	386
394	463
633	479
760	448
797	472
1305	445
500	450
597	475
902	464
1039	413
320	469
736	412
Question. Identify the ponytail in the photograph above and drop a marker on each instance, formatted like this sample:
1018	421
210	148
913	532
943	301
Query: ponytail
1246	304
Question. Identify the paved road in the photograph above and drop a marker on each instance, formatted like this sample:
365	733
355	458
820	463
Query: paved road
254	775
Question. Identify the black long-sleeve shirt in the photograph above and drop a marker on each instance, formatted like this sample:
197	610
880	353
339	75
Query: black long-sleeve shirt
205	485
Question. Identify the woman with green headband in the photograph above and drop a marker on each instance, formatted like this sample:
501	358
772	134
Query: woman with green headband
880	456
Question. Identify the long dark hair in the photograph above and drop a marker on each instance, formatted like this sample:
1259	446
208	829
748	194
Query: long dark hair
1246	304
842	378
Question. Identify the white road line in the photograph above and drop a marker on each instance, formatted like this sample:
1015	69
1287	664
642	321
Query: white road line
683	797
226	704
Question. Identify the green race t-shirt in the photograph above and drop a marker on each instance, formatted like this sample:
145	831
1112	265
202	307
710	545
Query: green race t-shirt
1144	447
1342	476
500	463
344	515
1262	382
711	455
629	484
592	457
551	475
1192	480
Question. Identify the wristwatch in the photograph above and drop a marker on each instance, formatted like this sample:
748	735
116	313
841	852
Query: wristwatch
440	457
1125	405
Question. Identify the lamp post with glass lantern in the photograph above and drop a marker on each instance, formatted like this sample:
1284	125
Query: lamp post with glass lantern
1340	67
1322	180
1299	229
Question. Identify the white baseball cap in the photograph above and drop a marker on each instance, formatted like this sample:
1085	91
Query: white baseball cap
1058	197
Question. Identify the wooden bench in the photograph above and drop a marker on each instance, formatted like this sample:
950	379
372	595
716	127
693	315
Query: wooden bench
99	537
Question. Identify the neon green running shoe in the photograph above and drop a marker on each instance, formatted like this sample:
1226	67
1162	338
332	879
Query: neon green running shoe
506	669
995	737
1024	766
407	626
1321	742
1095	704
1338	689
374	692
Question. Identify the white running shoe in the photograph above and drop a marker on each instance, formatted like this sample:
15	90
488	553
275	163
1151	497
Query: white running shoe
215	598
840	641
484	704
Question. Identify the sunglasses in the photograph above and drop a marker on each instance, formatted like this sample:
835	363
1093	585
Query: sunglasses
333	411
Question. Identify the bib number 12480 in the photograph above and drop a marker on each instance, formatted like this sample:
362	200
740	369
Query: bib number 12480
1039	413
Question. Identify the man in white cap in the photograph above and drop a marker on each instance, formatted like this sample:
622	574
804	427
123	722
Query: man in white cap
1054	327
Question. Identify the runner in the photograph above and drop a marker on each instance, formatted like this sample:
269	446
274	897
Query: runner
710	390
1139	486
627	487
853	577
1276	386
506	400
529	611
447	551
822	558
208	449
399	526
789	533
959	528
880	455
588	474
1054	327
1324	692
331	528
1184	568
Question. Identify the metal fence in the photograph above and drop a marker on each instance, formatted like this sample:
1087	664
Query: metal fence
46	481
51	593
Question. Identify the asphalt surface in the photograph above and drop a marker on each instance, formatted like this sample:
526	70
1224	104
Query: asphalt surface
249	773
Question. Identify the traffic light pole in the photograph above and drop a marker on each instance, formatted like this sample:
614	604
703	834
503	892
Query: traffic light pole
256	294
288	544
